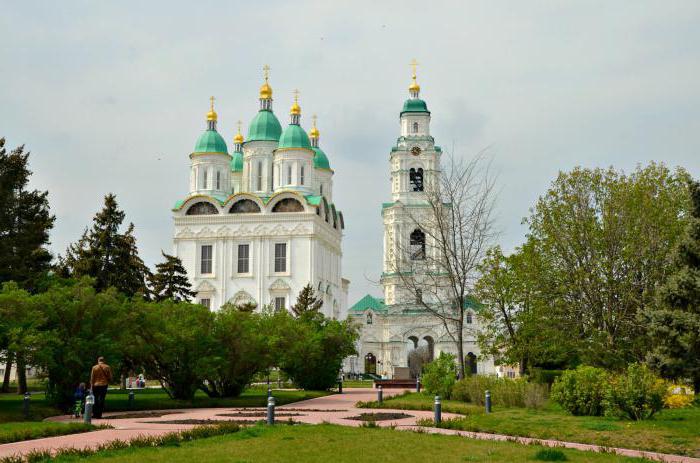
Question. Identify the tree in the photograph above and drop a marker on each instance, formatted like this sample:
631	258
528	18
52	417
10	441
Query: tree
25	222
170	281
307	302
674	321
438	263
108	256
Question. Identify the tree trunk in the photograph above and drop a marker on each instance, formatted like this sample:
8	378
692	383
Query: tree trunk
21	375
8	370
460	347
523	365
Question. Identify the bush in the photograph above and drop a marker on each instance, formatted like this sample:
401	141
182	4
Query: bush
540	376
505	392
678	396
637	394
581	391
440	375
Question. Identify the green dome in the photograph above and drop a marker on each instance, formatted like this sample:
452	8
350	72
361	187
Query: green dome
294	137
415	105
320	159
210	142
264	127
237	162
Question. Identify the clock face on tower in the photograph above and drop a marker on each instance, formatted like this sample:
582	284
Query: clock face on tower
415	151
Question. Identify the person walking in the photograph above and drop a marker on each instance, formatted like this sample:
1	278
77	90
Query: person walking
100	377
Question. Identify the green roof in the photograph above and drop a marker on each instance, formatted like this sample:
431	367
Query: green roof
313	200
210	142
294	137
264	127
320	159
415	105
369	302
237	162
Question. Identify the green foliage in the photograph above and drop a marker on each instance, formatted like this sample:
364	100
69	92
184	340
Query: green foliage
550	455
440	375
581	391
170	281
108	256
636	394
16	432
542	376
307	302
674	323
505	392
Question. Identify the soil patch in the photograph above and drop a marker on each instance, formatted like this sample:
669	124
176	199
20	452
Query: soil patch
312	409
257	414
215	422
124	416
380	416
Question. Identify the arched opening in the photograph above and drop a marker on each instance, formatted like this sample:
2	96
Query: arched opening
202	208
288	205
430	344
416	179
369	318
370	364
470	320
417	243
244	206
470	363
415	127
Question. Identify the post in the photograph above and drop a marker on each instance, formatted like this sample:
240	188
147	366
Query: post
269	391
270	410
488	402
89	402
418	384
131	398
340	385
27	399
380	394
438	410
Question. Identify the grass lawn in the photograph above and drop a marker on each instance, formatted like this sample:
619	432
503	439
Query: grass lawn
358	383
339	444
670	431
25	430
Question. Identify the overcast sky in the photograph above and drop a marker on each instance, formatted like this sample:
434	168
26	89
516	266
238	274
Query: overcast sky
111	97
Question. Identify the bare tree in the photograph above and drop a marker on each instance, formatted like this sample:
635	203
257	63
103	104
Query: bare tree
442	242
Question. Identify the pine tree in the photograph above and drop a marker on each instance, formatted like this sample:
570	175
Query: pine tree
674	324
170	281
108	256
306	302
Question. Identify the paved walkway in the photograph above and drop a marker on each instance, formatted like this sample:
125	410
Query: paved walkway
336	409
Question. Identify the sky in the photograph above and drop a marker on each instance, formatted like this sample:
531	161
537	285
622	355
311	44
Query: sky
111	97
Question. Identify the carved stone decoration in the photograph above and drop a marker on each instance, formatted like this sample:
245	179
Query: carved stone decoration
279	285
242	297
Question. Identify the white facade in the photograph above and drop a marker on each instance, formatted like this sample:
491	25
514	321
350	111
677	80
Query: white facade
394	326
254	226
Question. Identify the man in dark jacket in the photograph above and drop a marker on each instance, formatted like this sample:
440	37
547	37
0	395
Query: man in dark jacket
100	377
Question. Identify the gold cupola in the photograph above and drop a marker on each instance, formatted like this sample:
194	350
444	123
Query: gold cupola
414	88
314	133
295	110
238	138
265	89
211	115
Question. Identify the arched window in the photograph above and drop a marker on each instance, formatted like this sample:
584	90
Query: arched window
218	179
369	318
202	208
288	205
289	174
415	127
417	243
205	179
469	318
419	296
416	179
322	189
430	343
244	206
301	175
259	180
370	364
470	361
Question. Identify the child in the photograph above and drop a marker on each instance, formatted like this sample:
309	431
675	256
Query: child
79	396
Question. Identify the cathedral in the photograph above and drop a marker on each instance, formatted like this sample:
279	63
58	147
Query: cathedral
259	222
394	326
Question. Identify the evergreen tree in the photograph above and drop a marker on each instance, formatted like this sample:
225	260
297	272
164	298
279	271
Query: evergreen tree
25	221
674	323
108	256
307	302
170	281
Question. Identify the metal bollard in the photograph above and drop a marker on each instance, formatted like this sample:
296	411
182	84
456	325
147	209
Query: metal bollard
340	386
438	410
488	402
131	399
418	384
380	394
270	410
27	399
269	391
89	402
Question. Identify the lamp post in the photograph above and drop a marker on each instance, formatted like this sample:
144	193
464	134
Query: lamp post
270	411
438	410
380	394
488	402
27	399
418	384
89	402
131	398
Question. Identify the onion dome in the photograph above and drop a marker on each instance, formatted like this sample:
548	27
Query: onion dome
265	126
414	104
294	136
237	162
211	141
320	158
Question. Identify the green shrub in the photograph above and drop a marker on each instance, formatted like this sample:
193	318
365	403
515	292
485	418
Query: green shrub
581	391
550	455
505	392
636	394
440	375
538	375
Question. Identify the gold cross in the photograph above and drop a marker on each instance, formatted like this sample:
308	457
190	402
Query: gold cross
296	95
266	72
211	99
313	118
413	65
239	126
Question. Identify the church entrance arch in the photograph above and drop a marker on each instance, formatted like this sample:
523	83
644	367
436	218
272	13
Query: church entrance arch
370	364
470	363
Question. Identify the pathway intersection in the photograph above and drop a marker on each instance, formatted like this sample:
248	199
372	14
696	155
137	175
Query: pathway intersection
336	409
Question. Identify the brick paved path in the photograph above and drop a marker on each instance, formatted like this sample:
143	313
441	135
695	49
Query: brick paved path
334	409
